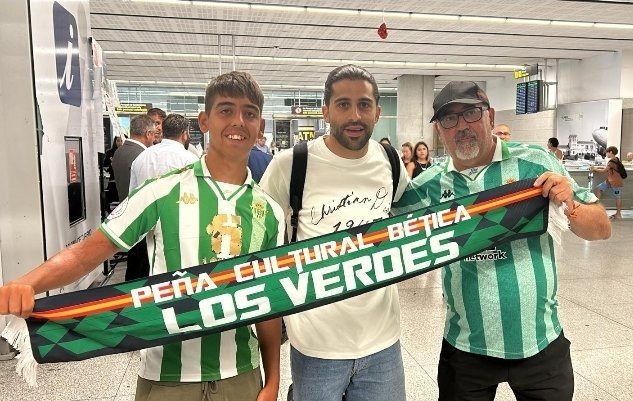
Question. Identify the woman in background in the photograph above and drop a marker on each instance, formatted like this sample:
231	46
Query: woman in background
421	160
407	152
113	195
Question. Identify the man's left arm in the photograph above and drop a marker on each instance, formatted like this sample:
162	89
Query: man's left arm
589	221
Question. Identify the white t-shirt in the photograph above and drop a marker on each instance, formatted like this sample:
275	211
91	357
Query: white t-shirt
159	159
340	193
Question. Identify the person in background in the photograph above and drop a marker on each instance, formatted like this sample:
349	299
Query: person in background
109	154
614	182
610	153
142	135
407	153
273	147
261	144
385	140
351	346
169	154
218	367
503	131
258	161
552	145
629	158
113	195
421	160
194	149
501	322
158	116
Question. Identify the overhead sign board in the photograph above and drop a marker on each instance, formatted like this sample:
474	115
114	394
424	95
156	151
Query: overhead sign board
307	111
133	108
526	71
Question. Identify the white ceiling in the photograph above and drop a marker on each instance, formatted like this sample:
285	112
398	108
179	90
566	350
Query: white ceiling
187	35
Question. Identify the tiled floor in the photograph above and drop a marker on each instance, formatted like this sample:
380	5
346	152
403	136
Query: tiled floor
596	297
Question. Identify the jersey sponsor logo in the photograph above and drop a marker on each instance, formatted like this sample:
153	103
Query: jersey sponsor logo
446	194
490	254
226	235
188	198
67	56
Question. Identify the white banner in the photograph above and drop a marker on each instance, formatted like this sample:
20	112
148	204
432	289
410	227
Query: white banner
69	100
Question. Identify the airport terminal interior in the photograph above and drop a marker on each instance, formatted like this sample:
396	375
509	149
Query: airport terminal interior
75	73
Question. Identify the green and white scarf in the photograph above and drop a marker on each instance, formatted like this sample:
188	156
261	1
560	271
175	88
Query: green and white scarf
222	295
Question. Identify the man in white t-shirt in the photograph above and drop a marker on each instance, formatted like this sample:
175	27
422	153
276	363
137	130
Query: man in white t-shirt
350	347
169	154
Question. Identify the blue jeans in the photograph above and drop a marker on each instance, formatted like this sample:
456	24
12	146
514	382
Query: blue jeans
377	377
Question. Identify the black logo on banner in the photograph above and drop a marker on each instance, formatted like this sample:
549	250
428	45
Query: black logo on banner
67	55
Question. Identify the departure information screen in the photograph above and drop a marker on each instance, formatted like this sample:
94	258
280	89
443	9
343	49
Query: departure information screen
534	96
521	104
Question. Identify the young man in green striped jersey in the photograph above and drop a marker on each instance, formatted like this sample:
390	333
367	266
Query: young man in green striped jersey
502	322
211	209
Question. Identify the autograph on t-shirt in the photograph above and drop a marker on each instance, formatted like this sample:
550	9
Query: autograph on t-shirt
381	199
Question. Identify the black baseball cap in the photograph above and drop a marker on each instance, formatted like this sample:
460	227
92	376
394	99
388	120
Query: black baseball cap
466	92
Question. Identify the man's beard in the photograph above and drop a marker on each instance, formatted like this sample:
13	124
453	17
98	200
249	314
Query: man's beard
338	132
469	149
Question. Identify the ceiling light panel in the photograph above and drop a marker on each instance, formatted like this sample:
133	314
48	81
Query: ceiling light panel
412	38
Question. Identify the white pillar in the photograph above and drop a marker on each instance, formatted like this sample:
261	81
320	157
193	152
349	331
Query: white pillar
415	109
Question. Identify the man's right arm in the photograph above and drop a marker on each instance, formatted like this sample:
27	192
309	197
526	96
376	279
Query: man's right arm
276	180
72	263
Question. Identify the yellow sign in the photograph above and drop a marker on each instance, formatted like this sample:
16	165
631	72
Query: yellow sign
133	108
521	74
306	133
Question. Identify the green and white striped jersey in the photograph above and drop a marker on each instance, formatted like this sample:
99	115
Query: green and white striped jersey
501	302
191	219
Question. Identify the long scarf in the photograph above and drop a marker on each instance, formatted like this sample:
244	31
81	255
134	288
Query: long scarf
225	294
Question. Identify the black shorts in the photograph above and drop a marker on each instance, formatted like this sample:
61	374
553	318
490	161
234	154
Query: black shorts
546	376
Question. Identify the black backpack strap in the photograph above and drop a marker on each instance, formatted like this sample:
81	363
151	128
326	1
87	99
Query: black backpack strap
620	167
297	181
394	160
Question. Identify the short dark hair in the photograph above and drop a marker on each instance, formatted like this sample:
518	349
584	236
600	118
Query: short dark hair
612	149
233	84
353	73
385	139
155	111
141	125
174	125
553	141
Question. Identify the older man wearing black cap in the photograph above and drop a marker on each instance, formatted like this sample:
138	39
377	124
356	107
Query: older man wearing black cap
502	312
